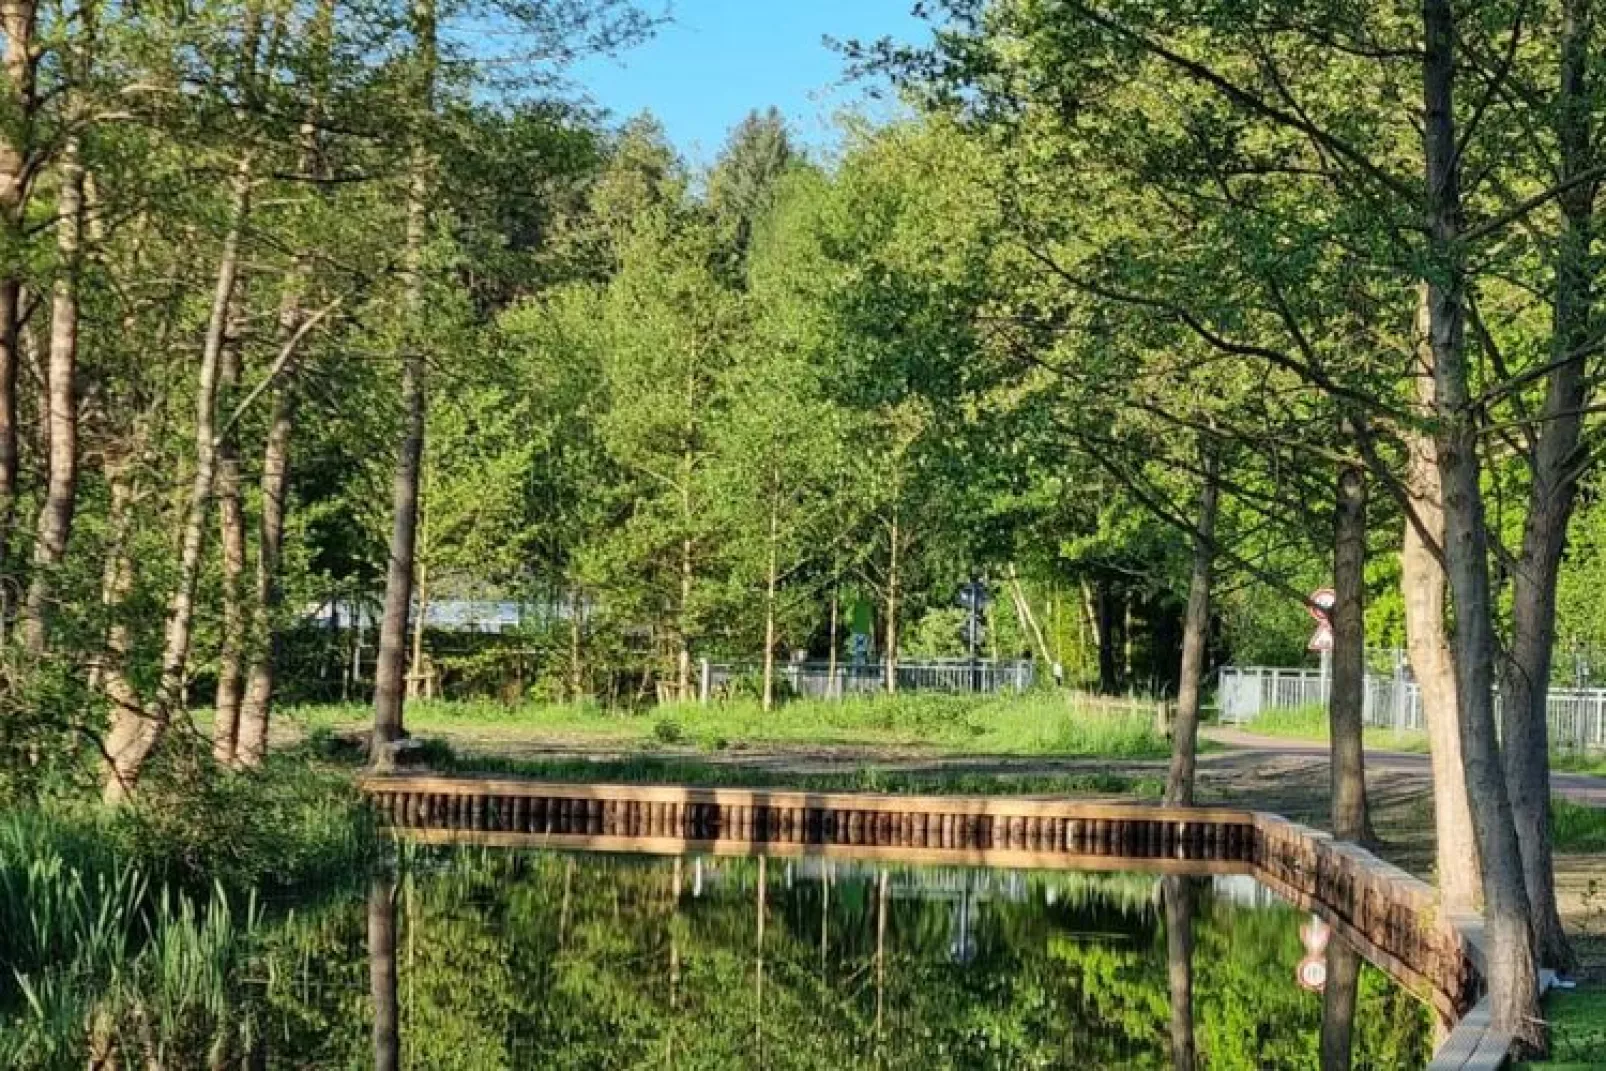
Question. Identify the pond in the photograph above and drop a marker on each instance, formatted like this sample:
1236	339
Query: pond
482	958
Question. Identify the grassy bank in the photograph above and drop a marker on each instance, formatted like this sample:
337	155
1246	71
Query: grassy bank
126	935
1034	724
692	770
1310	723
1577	1031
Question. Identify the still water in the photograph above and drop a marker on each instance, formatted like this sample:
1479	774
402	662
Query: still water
479	959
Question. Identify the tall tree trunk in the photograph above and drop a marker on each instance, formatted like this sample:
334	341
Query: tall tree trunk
54	526
390	671
576	646
1346	703
1423	588
1195	634
830	671
262	634
231	531
1338	1005
1028	618
135	735
1513	980
1555	468
382	974
17	22
1178	893
769	603
117	584
1104	627
416	675
891	629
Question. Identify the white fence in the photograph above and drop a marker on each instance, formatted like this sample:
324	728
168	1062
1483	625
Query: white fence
818	679
1577	715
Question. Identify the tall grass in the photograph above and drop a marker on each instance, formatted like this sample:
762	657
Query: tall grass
123	935
1042	723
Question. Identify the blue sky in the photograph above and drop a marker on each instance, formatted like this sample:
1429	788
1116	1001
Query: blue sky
720	59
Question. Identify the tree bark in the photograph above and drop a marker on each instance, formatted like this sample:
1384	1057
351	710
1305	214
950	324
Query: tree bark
830	672
17	21
1338	1005
1512	977
1178	894
1555	467
54	527
769	604
1104	629
1195	634
576	646
891	629
415	660
1028	618
1347	699
1423	588
263	634
231	531
390	671
382	974
136	734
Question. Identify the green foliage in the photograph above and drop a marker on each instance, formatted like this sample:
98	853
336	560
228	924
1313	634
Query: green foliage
133	931
1577	827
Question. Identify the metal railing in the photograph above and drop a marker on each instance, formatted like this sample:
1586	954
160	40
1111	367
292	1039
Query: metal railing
819	680
1577	716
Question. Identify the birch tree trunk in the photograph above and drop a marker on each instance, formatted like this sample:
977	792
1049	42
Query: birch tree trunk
54	526
1423	587
1195	634
262	635
891	628
1346	704
830	672
231	531
1513	981
390	670
1556	466
1024	610
17	22
135	734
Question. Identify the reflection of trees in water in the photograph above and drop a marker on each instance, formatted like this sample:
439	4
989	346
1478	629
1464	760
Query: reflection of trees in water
1178	894
499	968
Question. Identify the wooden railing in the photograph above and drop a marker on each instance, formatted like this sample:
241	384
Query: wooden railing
985	831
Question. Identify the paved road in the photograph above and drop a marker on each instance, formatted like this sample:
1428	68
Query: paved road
1580	788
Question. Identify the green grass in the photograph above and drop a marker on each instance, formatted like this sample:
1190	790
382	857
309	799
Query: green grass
1037	724
138	923
648	769
1577	1030
1577	827
1310	723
